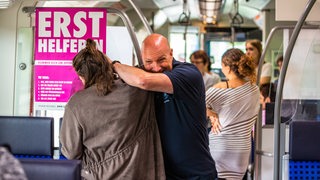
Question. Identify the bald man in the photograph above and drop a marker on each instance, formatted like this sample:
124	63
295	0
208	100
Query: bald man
180	108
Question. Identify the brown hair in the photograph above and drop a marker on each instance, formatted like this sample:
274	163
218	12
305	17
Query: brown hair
279	59
257	44
92	65
200	54
268	90
241	64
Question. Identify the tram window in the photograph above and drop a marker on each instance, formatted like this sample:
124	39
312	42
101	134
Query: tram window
119	41
217	48
184	47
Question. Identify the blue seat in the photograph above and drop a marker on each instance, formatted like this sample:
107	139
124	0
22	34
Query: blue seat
303	142
49	169
27	136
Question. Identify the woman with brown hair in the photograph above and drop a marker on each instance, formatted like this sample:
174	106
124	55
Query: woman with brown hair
110	125
201	59
232	107
254	50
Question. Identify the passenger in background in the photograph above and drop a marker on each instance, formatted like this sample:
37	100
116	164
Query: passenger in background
202	61
180	109
279	63
233	109
110	125
267	94
254	49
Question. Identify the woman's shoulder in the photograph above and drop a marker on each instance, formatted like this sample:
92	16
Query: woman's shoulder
267	65
81	96
221	85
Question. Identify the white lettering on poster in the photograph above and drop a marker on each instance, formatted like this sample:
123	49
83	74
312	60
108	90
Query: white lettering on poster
60	23
44	24
95	16
65	45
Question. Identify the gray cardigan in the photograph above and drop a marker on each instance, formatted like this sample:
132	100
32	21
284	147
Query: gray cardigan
115	136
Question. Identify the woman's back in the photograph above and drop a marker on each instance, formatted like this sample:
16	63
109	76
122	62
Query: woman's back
118	132
110	125
235	103
237	109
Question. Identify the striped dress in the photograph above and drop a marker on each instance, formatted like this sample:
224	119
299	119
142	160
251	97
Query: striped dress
237	109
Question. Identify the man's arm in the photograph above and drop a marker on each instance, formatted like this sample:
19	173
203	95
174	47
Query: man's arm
145	80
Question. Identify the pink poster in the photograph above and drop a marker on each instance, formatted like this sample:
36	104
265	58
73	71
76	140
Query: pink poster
60	34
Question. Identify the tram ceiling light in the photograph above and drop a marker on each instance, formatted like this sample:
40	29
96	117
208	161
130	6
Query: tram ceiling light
210	9
209	19
210	13
210	4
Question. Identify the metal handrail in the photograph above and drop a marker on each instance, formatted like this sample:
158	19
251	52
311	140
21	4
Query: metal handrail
141	16
258	131
264	153
277	122
129	26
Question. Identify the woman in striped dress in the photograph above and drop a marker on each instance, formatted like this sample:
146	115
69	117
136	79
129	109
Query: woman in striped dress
232	107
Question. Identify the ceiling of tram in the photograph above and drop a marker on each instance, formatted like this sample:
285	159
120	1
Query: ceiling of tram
172	8
175	11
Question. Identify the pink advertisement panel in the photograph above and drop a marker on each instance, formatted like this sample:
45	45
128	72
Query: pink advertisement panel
54	83
60	33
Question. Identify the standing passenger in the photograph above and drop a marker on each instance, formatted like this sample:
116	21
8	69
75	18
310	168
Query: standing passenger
254	50
279	63
202	61
236	103
180	108
110	125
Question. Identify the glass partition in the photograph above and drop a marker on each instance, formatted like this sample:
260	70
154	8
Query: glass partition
301	93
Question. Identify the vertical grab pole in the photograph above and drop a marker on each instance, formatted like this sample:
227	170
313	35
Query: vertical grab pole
258	131
129	26
277	122
258	127
142	17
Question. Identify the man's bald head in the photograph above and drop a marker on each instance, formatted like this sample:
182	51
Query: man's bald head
156	53
155	41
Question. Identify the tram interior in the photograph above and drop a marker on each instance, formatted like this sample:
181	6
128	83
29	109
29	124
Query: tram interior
190	25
